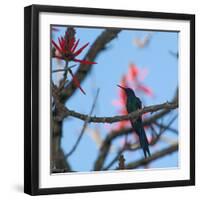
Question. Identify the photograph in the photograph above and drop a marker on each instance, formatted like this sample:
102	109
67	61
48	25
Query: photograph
109	99
114	99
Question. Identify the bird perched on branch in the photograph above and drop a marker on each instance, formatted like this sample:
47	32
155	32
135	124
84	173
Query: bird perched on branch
133	103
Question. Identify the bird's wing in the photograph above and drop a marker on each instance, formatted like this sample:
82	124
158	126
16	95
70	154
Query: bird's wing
139	103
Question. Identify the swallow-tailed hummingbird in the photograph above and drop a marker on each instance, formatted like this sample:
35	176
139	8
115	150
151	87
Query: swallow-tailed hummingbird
133	103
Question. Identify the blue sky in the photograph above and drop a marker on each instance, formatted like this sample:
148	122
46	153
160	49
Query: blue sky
162	78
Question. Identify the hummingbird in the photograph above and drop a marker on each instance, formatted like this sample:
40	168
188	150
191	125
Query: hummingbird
133	103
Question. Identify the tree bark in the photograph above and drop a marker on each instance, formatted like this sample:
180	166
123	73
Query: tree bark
58	161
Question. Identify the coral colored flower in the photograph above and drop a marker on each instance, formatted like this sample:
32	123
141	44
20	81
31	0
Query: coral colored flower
145	89
67	48
134	77
122	94
133	72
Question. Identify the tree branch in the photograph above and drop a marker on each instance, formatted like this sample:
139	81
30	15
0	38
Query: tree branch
155	156
133	115
164	126
137	145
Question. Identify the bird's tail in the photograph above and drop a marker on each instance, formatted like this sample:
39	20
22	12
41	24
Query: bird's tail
143	139
144	143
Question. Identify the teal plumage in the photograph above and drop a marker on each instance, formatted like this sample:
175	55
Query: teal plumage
133	103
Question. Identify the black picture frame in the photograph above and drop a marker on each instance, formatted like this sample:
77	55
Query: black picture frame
31	98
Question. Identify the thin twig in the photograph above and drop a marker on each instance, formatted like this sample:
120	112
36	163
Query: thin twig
84	127
164	126
153	131
62	70
121	162
154	141
64	79
118	154
175	54
172	148
115	159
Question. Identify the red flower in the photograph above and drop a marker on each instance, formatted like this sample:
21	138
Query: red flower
67	49
145	89
133	72
134	77
122	94
122	102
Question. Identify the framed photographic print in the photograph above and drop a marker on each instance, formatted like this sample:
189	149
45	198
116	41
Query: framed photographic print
109	100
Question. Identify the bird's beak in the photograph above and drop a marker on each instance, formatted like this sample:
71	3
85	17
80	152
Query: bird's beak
121	87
